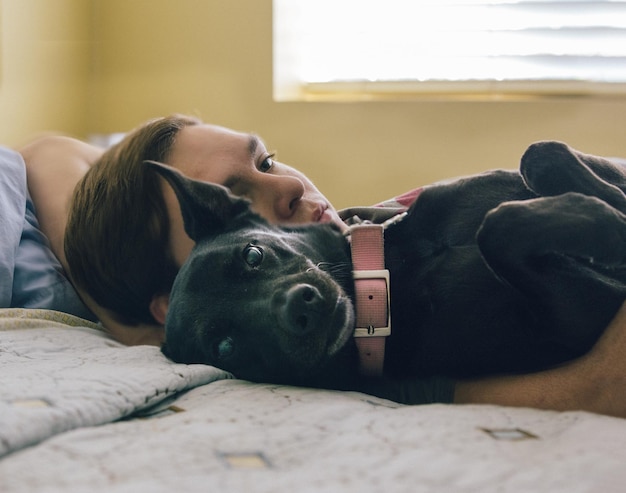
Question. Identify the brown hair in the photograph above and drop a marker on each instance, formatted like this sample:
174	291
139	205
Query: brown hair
117	236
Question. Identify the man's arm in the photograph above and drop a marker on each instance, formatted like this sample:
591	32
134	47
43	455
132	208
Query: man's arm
595	382
54	165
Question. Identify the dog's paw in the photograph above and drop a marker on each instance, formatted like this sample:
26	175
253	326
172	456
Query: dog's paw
550	168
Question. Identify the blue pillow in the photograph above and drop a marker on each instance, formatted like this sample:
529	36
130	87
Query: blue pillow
30	275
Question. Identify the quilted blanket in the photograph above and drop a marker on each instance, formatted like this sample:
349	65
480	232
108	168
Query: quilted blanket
60	372
81	413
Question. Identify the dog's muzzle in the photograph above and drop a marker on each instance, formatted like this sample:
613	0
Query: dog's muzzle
302	310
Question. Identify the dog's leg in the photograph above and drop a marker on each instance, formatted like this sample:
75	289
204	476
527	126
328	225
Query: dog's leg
569	224
553	168
566	254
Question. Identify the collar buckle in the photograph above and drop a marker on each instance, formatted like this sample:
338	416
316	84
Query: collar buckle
371	330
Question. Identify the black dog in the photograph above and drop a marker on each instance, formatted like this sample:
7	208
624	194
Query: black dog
498	272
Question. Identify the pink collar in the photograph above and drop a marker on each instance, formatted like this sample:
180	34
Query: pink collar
372	305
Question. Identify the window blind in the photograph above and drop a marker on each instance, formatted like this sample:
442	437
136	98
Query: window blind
561	46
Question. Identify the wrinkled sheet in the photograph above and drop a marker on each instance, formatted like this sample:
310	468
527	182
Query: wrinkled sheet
79	412
59	372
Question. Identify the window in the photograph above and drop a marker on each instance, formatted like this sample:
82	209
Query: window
370	48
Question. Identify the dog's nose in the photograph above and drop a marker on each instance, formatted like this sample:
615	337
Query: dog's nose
302	310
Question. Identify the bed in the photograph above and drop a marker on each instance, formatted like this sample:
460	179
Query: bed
80	412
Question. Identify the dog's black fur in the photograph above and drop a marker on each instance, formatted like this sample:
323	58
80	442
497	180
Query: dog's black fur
498	272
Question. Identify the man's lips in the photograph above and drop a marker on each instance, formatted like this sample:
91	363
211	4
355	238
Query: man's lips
322	214
326	217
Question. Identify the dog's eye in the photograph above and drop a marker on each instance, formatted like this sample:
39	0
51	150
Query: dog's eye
253	255
224	348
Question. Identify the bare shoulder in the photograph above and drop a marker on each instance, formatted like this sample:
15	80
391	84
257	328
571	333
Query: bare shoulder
54	165
59	153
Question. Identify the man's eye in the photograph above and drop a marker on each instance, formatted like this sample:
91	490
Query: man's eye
267	164
253	255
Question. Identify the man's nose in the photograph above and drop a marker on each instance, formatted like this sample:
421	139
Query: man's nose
287	192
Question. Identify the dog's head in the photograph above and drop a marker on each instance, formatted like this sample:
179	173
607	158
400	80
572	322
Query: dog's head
255	299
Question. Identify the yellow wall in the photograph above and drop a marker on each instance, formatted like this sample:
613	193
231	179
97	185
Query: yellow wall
105	65
45	55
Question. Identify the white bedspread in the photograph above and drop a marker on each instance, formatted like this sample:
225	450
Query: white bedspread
59	372
65	388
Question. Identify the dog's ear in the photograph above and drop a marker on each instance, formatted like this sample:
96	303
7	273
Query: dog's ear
207	207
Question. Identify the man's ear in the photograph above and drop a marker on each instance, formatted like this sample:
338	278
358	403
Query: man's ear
206	207
158	307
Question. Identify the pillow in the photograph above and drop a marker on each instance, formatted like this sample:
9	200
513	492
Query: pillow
30	275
